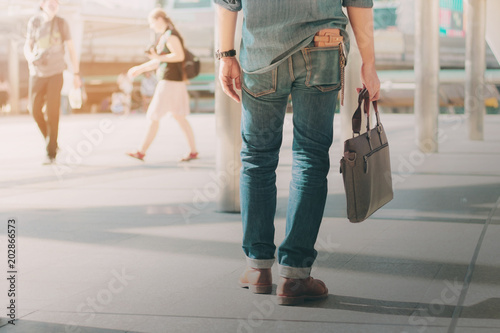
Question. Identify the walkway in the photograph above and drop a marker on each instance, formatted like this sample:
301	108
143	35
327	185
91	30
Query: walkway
109	244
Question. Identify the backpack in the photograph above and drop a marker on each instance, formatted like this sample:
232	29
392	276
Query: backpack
191	64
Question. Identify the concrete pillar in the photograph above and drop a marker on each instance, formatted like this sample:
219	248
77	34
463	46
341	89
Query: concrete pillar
427	74
352	81
493	26
228	139
13	64
475	65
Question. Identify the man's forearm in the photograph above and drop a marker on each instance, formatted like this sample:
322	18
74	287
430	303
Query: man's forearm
227	27
75	64
362	24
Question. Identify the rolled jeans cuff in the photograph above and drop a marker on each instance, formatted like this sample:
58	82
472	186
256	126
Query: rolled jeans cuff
260	263
294	272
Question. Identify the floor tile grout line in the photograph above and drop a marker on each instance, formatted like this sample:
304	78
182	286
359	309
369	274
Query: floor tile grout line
470	270
232	318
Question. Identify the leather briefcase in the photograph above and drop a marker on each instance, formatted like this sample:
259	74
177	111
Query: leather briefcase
365	166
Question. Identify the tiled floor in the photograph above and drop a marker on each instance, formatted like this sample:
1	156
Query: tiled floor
110	244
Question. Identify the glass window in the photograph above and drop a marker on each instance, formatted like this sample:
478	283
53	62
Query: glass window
384	17
180	4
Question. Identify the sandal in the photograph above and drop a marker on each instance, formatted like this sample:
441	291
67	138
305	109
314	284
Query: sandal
138	155
191	156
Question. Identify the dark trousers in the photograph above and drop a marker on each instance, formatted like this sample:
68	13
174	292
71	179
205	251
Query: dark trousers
47	90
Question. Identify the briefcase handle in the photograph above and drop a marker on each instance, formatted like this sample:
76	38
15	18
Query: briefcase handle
364	98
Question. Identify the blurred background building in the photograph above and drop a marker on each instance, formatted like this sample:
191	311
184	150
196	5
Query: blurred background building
111	36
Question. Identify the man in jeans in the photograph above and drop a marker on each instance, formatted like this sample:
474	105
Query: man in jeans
288	47
44	51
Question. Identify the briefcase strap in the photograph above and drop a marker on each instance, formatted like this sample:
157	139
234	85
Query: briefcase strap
364	99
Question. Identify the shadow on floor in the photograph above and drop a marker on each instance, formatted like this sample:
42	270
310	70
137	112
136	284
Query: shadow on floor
487	309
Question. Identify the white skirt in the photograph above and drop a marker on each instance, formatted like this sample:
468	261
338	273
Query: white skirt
169	96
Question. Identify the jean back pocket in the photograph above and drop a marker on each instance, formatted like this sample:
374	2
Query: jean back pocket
260	84
323	67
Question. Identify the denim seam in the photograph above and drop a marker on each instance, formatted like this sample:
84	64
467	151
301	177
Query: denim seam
308	66
265	92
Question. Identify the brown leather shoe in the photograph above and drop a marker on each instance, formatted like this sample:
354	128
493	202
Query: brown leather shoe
296	291
257	280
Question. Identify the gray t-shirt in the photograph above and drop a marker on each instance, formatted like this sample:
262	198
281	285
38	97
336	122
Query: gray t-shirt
47	39
275	29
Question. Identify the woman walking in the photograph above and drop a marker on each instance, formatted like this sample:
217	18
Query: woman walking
171	94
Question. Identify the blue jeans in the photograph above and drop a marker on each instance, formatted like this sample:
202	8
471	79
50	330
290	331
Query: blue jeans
312	77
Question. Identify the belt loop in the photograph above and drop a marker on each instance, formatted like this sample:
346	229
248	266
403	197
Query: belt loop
290	68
